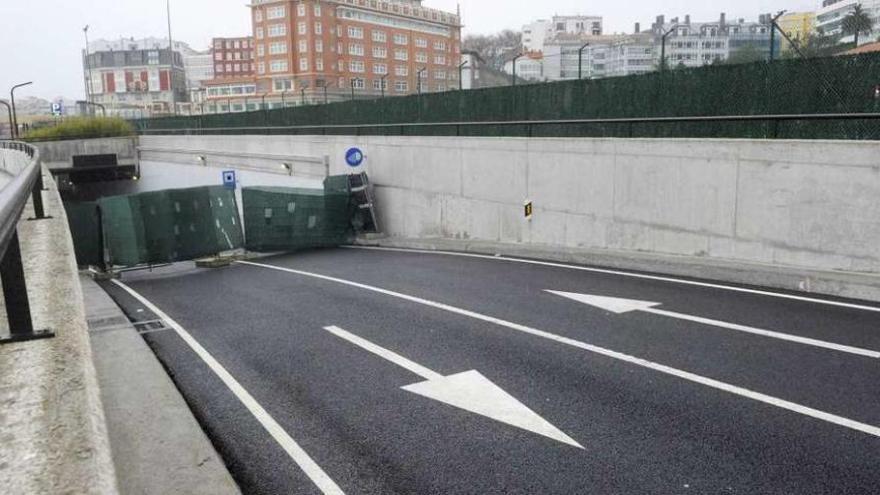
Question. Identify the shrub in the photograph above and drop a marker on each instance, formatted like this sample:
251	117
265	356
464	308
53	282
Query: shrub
82	128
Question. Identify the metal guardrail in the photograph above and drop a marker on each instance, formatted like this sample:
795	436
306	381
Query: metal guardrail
28	181
529	124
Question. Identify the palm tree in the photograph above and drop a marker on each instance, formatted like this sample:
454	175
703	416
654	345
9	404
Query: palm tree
857	22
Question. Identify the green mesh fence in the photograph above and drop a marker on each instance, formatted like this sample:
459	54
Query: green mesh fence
285	219
85	229
813	86
171	225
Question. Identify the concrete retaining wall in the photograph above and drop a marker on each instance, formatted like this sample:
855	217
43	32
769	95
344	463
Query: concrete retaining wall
60	152
810	204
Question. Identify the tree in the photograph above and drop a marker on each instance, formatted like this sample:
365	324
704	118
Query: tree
495	49
857	22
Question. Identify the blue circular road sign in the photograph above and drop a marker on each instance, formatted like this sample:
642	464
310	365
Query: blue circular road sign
354	157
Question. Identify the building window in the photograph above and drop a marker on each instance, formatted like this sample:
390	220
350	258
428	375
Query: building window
319	64
261	50
356	66
440	74
421	43
228	67
380	69
237	68
400	39
277	30
358	83
380	52
301	28
440	60
278	66
261	68
218	45
440	45
319	46
259	33
283	84
277	48
317	10
401	70
303	64
401	86
218	56
356	49
219	68
401	55
422	57
303	46
319	28
380	84
379	36
301	9
356	32
258	15
275	12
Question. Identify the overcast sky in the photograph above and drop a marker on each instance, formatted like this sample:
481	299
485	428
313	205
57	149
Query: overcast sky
43	39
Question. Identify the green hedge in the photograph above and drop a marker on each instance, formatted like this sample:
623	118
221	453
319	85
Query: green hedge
82	128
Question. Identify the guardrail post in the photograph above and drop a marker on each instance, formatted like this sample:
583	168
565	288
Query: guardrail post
18	311
39	212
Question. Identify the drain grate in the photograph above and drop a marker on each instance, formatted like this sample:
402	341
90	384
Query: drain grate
150	326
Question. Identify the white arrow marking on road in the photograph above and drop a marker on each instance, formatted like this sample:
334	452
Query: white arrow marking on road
470	391
620	306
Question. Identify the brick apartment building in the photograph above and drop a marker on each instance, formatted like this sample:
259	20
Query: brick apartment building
307	50
233	57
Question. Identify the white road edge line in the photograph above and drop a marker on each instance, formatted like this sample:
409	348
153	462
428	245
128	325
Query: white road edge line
299	456
624	274
685	375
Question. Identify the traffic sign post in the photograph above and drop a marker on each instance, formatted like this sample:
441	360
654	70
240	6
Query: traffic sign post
229	179
354	157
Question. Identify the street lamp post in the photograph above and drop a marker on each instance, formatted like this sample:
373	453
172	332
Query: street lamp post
171	57
460	72
581	60
9	112
89	89
12	99
773	27
663	46
419	79
382	84
283	101
325	92
352	89
302	91
517	57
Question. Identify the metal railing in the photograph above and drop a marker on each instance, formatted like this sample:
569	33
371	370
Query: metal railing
455	128
26	181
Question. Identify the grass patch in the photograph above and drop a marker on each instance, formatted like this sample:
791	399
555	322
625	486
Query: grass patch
82	128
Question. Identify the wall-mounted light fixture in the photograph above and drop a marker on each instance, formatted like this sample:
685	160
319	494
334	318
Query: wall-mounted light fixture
202	160
287	167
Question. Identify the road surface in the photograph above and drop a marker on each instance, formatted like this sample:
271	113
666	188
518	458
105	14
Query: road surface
383	371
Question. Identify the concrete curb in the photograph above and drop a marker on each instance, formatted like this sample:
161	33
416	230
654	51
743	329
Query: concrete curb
54	437
150	426
840	284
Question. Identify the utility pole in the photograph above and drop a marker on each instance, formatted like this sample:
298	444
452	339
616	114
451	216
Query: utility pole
663	46
460	74
514	67
581	60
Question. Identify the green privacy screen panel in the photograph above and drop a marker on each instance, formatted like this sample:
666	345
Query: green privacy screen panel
171	225
818	85
85	229
285	219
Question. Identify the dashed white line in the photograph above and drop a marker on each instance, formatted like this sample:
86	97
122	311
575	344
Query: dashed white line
293	449
627	274
685	375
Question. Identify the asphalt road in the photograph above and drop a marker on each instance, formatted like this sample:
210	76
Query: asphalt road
510	388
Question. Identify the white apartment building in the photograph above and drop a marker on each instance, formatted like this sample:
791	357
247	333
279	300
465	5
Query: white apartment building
599	56
829	17
694	44
528	68
537	33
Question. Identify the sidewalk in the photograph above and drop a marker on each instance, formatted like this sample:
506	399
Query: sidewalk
158	446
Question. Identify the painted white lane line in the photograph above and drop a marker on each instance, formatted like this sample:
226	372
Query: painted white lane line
470	391
299	456
685	375
627	274
621	306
